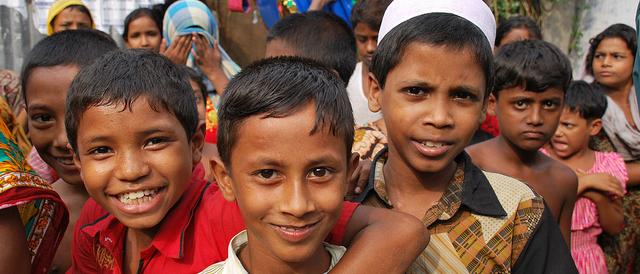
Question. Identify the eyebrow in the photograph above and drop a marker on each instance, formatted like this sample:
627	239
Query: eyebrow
37	106
465	88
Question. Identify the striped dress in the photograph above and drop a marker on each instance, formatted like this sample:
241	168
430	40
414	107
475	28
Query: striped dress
585	226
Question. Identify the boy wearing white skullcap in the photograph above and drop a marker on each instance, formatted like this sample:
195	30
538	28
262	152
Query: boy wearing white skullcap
430	77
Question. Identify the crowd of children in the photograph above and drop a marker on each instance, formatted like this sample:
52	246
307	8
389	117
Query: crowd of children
420	137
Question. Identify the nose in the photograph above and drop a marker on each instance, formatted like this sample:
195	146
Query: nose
606	61
130	167
439	114
371	45
296	200
144	42
60	142
535	117
559	131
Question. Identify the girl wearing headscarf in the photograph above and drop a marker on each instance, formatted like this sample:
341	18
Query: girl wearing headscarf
67	15
27	202
190	31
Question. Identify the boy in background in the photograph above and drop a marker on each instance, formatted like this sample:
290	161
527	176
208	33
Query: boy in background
531	79
315	35
47	73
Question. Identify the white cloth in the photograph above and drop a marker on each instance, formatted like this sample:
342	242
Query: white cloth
624	137
476	11
359	102
233	265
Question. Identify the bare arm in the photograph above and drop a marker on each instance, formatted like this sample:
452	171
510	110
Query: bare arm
381	241
570	185
14	255
209	60
633	170
603	182
610	212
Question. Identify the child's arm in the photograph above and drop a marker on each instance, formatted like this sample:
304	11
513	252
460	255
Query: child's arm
633	170
568	183
381	241
209	60
603	182
610	212
14	256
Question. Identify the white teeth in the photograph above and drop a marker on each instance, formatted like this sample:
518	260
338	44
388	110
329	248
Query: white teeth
137	197
432	144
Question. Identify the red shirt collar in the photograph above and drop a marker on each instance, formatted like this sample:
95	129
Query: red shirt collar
111	232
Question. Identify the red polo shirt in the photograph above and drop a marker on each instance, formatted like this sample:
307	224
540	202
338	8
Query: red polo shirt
194	235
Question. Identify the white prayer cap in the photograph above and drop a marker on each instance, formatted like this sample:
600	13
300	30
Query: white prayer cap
476	11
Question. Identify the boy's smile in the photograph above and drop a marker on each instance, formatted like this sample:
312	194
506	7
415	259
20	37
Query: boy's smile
432	103
528	119
289	184
136	162
45	98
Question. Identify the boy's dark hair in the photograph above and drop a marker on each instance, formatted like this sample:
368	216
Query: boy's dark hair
369	12
142	12
434	29
320	36
588	100
278	87
517	22
534	65
196	77
622	31
70	47
123	76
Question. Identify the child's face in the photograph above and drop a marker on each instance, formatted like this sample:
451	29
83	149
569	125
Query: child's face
71	18
528	119
144	33
45	99
200	101
432	103
613	62
136	163
573	134
366	41
288	183
515	35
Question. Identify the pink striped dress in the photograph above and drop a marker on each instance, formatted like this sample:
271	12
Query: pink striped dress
585	226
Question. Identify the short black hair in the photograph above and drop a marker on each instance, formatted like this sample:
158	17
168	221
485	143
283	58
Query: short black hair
278	87
436	29
369	12
70	47
154	14
586	99
517	22
123	76
534	65
320	36
622	31
197	77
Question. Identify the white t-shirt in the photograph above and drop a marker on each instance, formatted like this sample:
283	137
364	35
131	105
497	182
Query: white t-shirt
359	102
233	265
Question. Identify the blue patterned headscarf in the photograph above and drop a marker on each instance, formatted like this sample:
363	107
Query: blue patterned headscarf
191	16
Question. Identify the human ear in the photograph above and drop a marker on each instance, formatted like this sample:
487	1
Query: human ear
595	126
491	105
197	144
375	94
76	162
223	178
